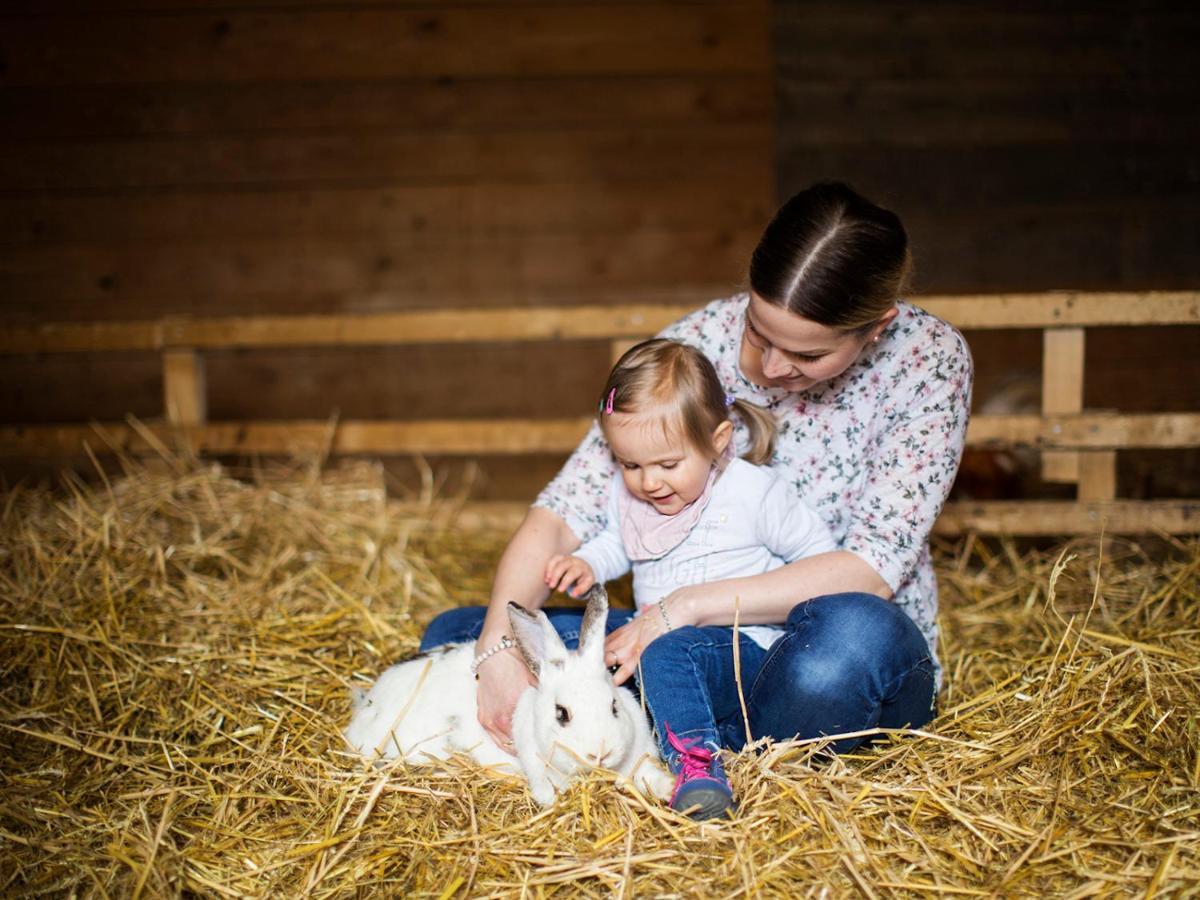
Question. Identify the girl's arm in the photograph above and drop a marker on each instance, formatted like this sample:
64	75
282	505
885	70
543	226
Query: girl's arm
605	552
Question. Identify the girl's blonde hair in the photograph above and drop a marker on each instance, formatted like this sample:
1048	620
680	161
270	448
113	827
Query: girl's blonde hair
681	382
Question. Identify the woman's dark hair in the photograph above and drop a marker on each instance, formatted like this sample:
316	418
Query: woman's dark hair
833	257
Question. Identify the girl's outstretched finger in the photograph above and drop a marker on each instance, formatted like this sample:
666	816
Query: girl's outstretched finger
579	583
554	571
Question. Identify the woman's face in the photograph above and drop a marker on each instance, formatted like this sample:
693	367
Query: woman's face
783	350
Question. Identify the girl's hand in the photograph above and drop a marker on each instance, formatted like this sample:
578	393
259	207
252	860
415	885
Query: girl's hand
503	678
569	574
624	647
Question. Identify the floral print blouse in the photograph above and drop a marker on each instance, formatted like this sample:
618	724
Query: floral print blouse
874	451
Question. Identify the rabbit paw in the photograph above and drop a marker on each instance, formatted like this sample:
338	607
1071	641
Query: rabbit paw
653	781
657	783
542	791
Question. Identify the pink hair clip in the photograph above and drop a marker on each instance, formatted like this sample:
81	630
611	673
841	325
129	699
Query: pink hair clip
608	404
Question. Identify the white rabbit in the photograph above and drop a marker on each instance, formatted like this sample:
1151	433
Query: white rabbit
574	719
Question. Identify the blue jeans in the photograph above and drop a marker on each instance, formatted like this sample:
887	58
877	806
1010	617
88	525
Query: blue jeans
845	663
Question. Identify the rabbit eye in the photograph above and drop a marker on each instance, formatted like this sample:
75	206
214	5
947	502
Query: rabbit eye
562	714
615	713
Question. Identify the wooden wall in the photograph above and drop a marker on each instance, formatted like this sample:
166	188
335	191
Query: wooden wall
1027	146
192	157
203	157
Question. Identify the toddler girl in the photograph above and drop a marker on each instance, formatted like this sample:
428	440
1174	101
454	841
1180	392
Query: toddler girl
683	510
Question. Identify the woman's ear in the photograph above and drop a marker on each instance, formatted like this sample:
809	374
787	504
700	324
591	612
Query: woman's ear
884	321
722	435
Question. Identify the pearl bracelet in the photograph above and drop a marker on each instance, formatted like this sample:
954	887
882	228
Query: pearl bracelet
662	608
505	643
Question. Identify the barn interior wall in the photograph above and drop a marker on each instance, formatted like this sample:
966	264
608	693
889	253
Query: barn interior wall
184	157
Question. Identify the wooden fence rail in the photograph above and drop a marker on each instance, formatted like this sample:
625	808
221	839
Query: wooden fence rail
1077	447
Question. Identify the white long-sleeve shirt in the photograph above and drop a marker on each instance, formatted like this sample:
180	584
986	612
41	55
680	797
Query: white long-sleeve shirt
753	523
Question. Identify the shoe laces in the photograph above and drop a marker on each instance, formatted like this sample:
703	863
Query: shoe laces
694	758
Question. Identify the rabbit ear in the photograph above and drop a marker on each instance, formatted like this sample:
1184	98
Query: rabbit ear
595	620
536	639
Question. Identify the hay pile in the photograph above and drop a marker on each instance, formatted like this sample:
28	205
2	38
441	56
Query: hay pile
176	649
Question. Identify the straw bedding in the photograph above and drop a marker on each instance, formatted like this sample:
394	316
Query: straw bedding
176	649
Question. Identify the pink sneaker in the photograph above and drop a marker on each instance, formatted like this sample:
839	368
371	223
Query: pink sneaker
701	788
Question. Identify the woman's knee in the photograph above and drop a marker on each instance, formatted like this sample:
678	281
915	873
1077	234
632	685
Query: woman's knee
865	622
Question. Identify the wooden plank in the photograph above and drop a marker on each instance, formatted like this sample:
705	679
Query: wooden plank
925	111
625	321
449	437
372	43
433	326
1065	309
1026	518
1060	467
1036	517
741	202
967	41
81	337
444	104
185	396
1098	431
944	179
616	152
516	435
426	270
1062	392
42	7
1097	475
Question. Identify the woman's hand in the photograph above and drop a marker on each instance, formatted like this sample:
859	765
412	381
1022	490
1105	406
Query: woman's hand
503	678
624	647
519	577
569	574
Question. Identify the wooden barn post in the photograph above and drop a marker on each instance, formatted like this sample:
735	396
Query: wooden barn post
185	397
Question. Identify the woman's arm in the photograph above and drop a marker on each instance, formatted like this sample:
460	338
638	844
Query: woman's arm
755	600
519	578
768	598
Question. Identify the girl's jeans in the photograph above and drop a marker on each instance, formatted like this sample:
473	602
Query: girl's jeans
845	663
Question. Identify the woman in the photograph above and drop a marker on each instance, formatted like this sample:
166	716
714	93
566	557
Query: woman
872	396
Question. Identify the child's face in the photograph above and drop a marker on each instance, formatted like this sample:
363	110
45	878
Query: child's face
660	468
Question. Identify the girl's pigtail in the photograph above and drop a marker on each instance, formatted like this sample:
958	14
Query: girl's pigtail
761	425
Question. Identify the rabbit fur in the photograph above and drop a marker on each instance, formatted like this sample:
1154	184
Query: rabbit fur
573	720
